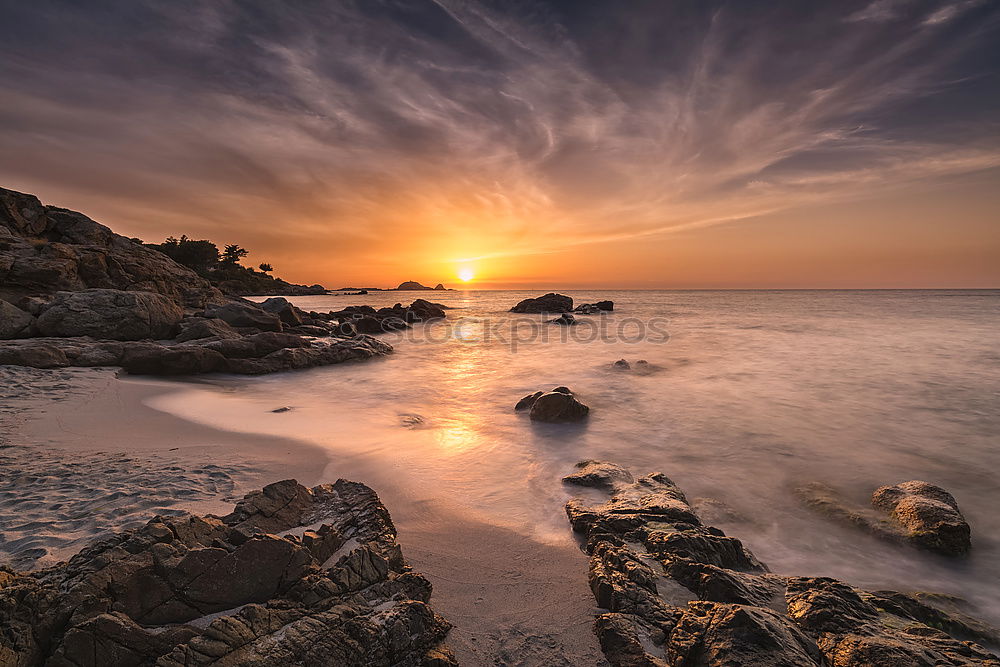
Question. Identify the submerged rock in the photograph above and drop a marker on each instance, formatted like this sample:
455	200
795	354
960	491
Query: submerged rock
592	308
677	592
622	365
548	303
565	319
558	405
600	475
294	576
927	515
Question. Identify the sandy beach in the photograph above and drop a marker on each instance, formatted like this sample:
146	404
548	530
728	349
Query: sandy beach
84	456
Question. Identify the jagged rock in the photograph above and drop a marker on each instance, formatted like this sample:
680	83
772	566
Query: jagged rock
111	314
14	322
320	354
294	576
927	514
678	593
558	405
599	475
285	311
245	315
37	355
565	319
548	303
197	328
44	249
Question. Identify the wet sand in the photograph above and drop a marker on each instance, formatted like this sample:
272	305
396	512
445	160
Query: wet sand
85	456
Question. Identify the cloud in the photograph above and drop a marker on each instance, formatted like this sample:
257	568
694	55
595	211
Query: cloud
477	129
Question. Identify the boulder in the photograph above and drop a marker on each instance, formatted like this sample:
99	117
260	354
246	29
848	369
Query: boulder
622	365
927	515
425	310
196	328
674	591
557	406
526	402
112	314
285	311
256	345
14	322
242	314
549	303
592	308
565	320
294	576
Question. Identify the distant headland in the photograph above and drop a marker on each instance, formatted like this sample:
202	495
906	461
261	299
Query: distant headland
405	286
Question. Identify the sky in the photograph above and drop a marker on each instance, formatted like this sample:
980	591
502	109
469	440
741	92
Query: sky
529	144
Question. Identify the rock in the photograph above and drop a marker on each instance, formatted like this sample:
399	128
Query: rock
112	314
440	288
282	409
426	310
549	303
196	328
285	311
526	402
556	406
622	365
411	285
294	576
592	308
154	359
256	345
928	516
677	592
244	314
565	319
599	475
36	355
14	322
320	354
47	249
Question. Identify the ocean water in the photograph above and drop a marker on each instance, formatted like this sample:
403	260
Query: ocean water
748	394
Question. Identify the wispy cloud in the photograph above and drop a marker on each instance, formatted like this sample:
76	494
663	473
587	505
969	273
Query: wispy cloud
492	129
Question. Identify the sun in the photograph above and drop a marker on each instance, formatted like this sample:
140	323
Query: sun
465	275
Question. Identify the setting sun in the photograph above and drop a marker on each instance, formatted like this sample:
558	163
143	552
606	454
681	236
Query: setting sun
465	275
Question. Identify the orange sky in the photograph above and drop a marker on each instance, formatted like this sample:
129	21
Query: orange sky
849	144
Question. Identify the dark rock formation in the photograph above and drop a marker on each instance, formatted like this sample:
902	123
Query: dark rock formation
294	576
927	514
622	364
919	513
14	322
286	312
196	328
565	320
679	593
411	286
112	314
558	405
592	308
44	249
33	353
549	303
440	288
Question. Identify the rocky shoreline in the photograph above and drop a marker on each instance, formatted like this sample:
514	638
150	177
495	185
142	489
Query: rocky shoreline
292	576
74	293
676	592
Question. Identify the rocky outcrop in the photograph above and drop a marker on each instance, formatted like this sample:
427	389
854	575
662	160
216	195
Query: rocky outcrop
927	515
915	512
196	328
44	249
294	576
558	405
286	312
548	303
676	592
14	322
411	286
111	314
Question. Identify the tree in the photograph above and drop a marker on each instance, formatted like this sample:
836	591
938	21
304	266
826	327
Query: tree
199	256
232	254
265	267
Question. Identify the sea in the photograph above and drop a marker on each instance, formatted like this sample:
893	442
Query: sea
745	397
